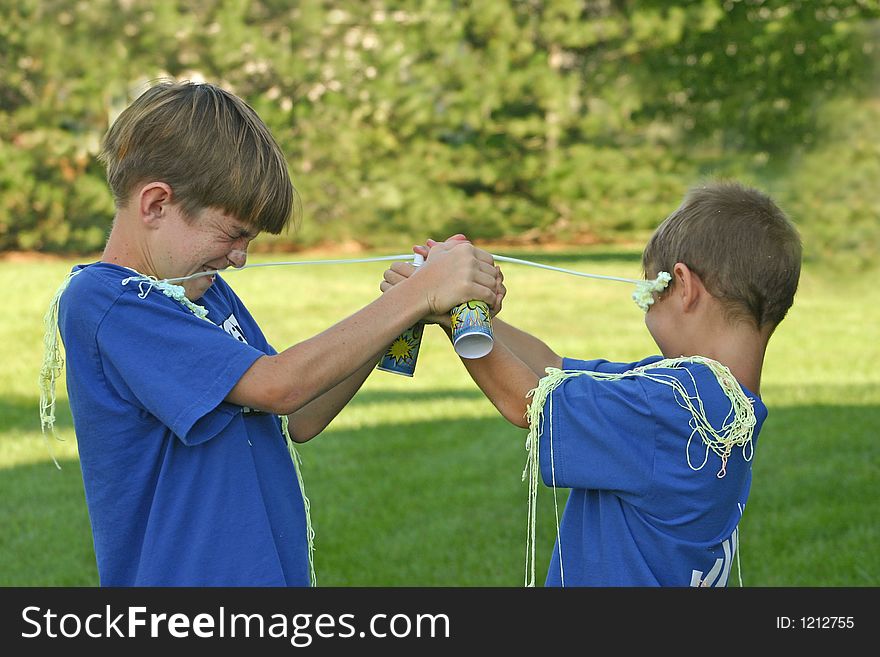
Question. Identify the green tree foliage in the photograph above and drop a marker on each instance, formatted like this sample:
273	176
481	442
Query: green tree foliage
523	120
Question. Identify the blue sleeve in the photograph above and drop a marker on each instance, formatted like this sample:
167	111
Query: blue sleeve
172	364
599	434
602	365
578	364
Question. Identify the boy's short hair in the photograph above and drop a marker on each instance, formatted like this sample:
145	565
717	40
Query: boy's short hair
209	146
743	247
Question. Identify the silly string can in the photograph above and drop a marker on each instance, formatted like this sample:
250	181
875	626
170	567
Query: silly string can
404	351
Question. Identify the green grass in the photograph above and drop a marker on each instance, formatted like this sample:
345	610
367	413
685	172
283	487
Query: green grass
418	481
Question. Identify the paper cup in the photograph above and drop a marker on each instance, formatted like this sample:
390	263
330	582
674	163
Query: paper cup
471	329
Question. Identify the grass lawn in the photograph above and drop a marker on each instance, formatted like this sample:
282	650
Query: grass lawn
418	481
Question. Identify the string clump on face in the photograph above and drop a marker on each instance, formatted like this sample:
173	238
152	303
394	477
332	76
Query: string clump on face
644	292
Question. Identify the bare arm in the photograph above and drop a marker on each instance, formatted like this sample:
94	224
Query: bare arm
289	381
313	418
530	349
533	351
513	367
504	378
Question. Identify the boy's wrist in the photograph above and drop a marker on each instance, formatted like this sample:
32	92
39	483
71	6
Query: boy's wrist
410	300
441	320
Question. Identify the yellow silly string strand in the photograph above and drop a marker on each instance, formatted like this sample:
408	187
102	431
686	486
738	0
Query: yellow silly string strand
176	292
52	365
736	429
297	461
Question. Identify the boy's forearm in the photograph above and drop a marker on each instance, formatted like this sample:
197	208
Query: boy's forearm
285	382
313	418
289	381
532	351
504	378
529	349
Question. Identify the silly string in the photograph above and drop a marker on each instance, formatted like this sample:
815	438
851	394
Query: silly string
643	294
53	363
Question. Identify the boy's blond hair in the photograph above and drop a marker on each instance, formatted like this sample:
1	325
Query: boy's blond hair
209	146
743	247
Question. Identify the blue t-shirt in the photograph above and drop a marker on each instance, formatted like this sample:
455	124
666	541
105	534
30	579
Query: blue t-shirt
183	489
638	514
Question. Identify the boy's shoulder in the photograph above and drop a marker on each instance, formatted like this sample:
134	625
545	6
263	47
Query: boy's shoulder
718	407
96	289
672	381
95	285
98	274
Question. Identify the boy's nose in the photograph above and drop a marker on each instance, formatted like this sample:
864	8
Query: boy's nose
237	258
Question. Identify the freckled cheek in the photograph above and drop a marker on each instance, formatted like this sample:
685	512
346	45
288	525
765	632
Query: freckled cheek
211	253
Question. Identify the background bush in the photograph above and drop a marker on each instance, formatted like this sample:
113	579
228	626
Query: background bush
526	120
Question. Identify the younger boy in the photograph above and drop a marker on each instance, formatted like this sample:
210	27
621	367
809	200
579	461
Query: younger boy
657	452
180	421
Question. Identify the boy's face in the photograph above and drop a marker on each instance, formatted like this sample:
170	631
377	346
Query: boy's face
210	240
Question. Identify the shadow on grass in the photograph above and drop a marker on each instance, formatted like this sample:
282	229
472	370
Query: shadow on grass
23	413
443	504
404	396
424	504
46	538
450	494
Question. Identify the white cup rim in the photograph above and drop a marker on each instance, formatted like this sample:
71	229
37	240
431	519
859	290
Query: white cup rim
473	345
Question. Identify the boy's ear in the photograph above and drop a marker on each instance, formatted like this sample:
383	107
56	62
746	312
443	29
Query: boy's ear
687	286
153	201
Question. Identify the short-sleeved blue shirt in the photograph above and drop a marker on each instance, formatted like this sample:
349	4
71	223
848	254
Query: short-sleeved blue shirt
182	488
638	514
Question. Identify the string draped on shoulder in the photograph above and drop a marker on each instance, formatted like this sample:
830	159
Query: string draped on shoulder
736	430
